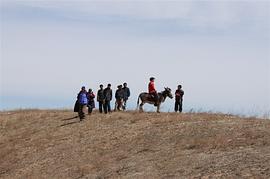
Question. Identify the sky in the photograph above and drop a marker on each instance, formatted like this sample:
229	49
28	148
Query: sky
219	51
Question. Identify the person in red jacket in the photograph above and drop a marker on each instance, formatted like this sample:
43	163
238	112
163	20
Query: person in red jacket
152	90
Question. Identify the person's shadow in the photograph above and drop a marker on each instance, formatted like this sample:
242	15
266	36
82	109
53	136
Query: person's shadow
69	123
67	119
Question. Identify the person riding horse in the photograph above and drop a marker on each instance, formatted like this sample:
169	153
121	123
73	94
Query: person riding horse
158	97
152	90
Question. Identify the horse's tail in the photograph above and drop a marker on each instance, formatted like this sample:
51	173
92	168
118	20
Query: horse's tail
138	101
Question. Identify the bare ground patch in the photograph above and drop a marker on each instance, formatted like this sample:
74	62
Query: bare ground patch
54	144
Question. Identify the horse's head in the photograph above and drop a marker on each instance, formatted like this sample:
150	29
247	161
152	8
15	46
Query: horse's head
168	92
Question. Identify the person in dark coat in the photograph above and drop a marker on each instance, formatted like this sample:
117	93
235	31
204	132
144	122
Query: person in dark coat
179	93
91	102
107	99
126	92
83	101
100	98
119	96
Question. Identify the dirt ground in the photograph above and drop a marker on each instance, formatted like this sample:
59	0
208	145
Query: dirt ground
54	144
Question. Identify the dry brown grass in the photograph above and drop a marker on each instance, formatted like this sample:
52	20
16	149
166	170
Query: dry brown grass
50	144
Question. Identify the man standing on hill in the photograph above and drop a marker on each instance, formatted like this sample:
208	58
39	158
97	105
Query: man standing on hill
100	98
179	93
119	96
83	101
152	90
126	95
107	98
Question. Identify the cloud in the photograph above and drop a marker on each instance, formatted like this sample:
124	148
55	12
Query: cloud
196	14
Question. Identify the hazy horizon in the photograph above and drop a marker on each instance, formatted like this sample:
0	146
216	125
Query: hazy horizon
218	51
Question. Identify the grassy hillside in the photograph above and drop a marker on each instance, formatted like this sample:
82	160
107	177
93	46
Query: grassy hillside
54	144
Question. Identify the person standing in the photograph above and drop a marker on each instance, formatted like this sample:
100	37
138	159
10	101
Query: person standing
152	90
179	93
83	101
100	98
91	102
119	96
107	99
126	93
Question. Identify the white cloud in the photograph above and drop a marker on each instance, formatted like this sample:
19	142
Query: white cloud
220	14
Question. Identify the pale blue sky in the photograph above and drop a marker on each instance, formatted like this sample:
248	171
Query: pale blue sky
218	51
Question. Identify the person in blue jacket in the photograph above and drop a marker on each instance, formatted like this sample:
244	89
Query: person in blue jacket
83	101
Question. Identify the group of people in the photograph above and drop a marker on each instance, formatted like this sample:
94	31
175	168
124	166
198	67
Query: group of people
104	97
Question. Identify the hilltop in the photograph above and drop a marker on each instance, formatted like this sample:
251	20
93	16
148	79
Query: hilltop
54	144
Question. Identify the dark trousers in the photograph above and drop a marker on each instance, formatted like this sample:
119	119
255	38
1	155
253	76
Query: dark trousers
178	105
90	109
125	104
100	106
107	107
82	111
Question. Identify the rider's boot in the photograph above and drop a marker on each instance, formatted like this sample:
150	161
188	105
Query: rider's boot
156	100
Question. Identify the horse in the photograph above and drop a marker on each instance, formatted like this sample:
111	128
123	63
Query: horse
147	98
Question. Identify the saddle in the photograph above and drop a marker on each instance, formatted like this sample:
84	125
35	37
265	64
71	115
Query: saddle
151	97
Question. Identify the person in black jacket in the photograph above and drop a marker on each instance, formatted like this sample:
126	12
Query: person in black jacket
126	93
100	98
119	96
107	99
91	101
179	93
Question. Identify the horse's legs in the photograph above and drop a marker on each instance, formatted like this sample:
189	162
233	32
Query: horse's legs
158	108
141	107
